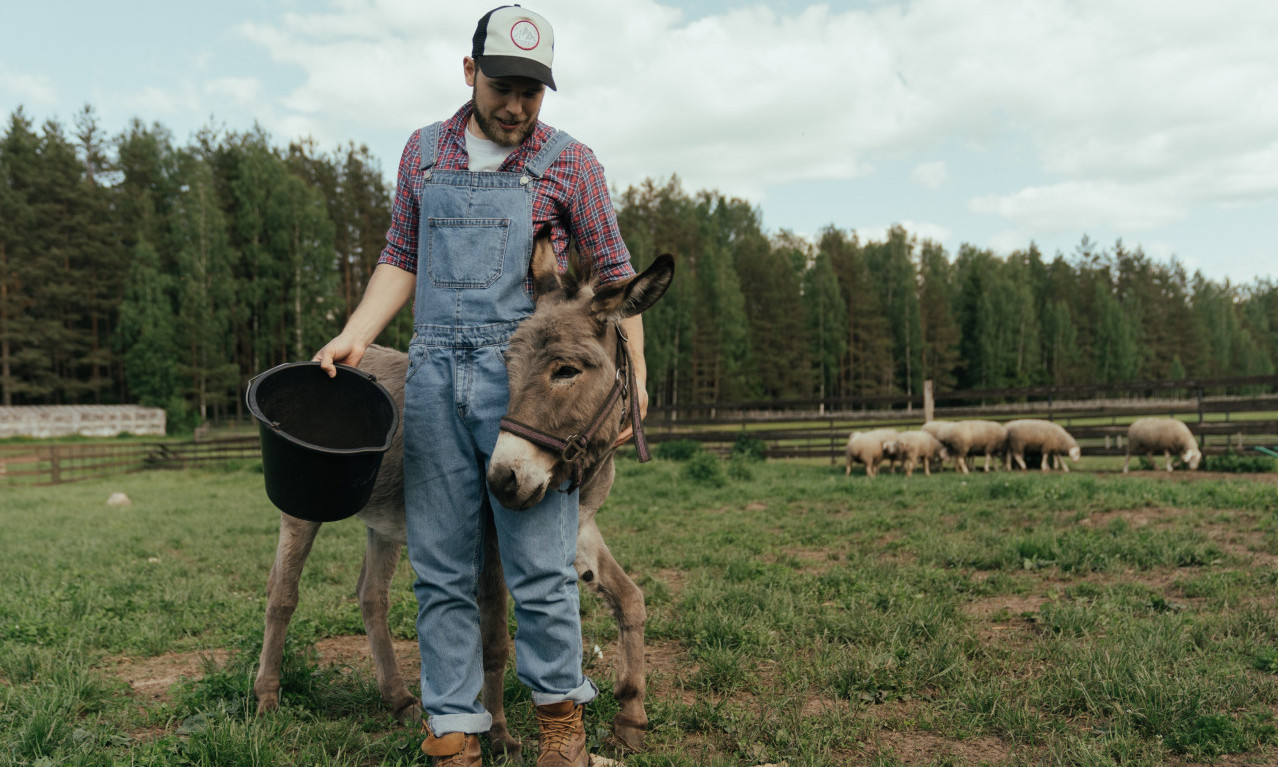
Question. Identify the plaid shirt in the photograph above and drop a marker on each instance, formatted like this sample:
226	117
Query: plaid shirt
572	198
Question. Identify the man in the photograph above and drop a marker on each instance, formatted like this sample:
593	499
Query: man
471	193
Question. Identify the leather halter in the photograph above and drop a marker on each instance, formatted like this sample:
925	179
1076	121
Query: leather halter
572	449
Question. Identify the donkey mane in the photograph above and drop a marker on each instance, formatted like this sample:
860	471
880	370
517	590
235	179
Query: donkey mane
581	272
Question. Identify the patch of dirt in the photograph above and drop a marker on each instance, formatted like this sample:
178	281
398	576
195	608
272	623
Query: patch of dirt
927	748
353	651
1240	538
1015	604
151	678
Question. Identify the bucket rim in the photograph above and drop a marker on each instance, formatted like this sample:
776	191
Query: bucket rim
251	397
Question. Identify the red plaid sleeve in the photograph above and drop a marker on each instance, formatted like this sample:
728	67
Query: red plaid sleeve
401	238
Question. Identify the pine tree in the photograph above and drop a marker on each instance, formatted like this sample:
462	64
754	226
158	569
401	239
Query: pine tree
146	334
867	364
940	332
827	321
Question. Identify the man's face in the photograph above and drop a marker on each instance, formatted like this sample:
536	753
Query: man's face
506	108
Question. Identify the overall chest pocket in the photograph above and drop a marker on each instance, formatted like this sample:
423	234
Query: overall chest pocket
465	252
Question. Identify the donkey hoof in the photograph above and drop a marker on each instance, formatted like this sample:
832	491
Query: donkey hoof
409	712
267	703
504	745
629	734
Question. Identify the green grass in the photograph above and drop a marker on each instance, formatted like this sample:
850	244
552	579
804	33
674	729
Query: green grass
794	615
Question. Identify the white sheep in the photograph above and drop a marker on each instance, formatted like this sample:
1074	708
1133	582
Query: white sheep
870	448
1035	435
962	438
1169	435
913	447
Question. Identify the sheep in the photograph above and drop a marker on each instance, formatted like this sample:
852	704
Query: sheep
870	448
1169	435
1039	436
918	446
963	437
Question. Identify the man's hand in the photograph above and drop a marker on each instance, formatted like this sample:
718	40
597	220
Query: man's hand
341	349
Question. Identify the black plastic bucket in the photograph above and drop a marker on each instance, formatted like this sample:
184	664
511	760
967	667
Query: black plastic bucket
322	438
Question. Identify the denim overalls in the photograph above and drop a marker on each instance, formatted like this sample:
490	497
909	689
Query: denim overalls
474	244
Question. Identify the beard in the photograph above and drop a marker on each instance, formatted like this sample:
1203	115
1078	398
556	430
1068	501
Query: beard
499	135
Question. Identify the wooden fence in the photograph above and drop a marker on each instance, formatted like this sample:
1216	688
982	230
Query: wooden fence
820	429
51	464
1222	421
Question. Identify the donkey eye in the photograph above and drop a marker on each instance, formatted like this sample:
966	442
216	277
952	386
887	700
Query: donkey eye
564	374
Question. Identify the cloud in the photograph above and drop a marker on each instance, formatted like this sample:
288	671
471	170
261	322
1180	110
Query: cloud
240	89
931	175
35	91
1076	205
1106	97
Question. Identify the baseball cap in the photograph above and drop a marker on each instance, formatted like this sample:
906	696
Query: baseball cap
513	42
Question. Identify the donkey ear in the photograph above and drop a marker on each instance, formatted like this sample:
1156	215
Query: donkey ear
544	267
626	298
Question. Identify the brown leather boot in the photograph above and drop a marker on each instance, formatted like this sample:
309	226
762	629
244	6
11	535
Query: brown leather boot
563	735
453	749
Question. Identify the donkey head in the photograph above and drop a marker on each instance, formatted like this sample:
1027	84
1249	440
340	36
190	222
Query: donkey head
563	369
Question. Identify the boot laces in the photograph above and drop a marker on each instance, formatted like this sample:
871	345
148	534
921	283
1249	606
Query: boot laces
559	732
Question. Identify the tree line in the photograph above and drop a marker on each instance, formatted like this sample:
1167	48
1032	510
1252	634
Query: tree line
134	269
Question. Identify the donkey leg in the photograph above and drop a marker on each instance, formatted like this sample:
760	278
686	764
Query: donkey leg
296	537
598	567
495	637
380	558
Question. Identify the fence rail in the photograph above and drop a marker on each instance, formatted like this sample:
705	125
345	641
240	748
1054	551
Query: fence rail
1221	424
52	464
807	429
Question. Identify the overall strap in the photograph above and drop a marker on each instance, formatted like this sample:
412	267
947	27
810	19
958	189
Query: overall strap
550	151
428	145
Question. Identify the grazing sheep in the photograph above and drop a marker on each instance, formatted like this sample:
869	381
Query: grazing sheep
1169	435
868	447
914	447
1034	435
962	438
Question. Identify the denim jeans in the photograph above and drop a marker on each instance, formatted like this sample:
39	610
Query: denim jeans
470	297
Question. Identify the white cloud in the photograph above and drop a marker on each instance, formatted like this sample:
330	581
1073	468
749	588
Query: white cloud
931	175
1077	205
241	89
35	91
1113	97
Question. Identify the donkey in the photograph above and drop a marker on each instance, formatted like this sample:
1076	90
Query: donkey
567	363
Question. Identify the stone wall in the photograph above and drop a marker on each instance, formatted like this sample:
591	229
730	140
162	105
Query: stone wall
43	421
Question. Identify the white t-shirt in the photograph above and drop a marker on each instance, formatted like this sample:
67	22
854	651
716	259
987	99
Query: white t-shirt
485	155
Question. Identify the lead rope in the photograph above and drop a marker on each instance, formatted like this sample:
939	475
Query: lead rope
632	387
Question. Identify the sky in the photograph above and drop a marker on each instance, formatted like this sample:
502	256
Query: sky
993	123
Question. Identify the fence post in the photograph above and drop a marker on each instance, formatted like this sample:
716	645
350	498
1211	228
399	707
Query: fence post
55	469
833	442
929	406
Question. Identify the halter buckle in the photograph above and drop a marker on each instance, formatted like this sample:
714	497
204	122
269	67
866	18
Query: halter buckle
574	449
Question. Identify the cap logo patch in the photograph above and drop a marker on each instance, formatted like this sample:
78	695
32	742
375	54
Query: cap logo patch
525	35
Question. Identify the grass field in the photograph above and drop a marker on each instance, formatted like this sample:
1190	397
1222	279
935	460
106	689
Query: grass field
795	615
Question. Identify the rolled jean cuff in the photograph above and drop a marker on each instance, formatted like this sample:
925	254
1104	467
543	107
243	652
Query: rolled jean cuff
582	695
471	724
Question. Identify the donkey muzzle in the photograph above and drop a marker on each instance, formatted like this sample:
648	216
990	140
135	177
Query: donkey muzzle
519	473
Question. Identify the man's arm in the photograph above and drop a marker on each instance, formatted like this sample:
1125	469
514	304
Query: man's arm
388	290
